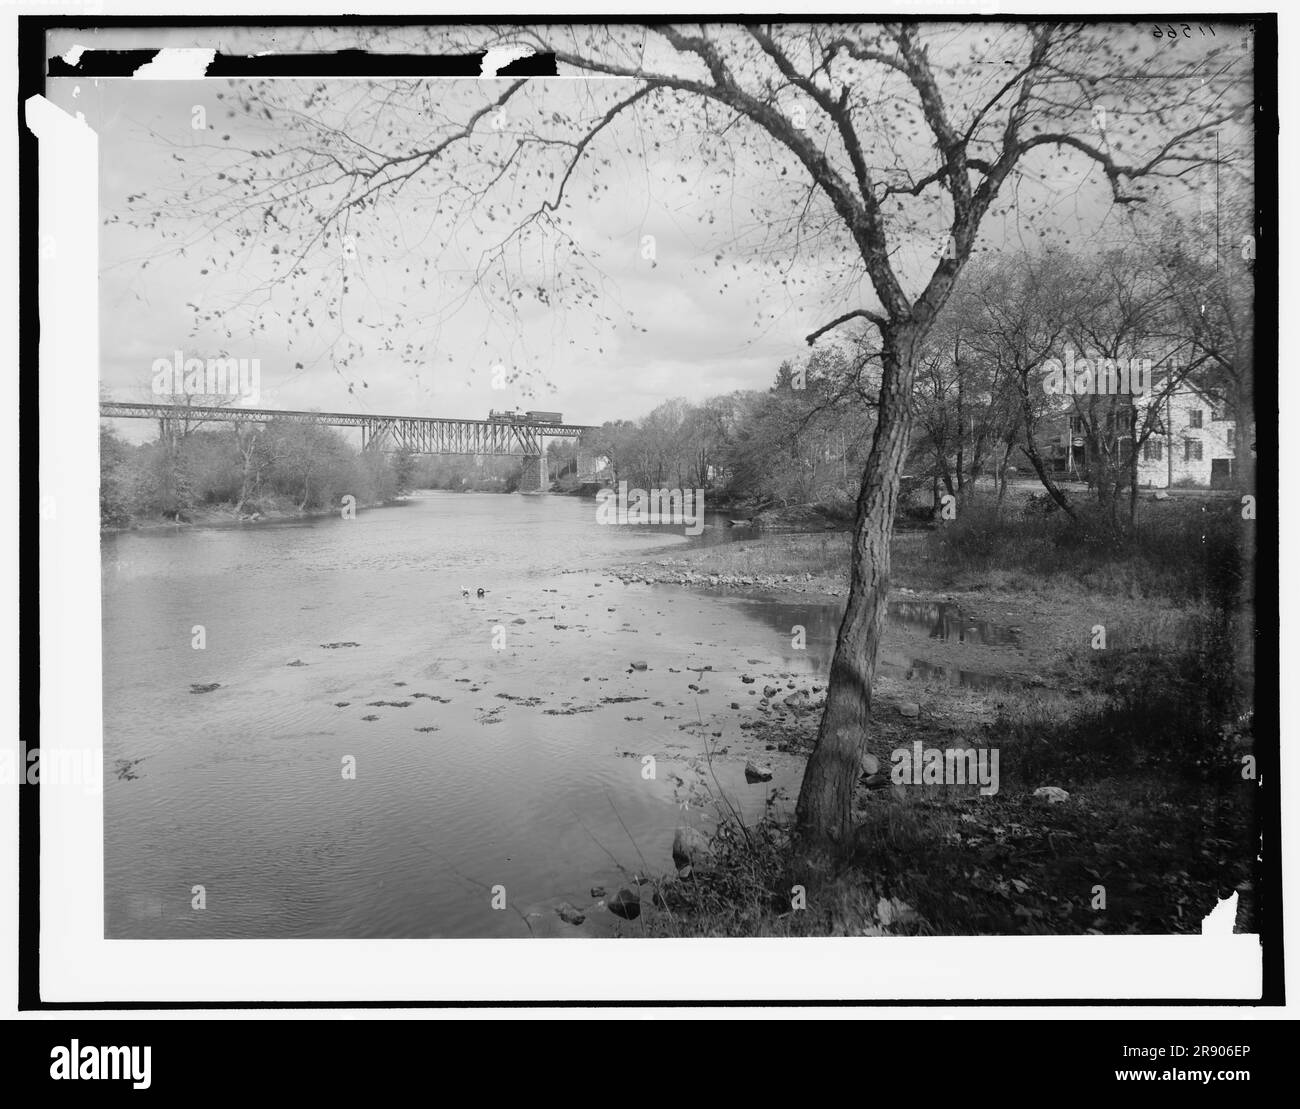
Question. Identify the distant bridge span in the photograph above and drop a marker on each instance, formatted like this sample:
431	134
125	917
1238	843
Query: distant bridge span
418	434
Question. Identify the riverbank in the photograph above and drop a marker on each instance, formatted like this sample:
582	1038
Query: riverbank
227	515
1121	804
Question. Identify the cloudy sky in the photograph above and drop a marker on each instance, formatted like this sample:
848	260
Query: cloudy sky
713	311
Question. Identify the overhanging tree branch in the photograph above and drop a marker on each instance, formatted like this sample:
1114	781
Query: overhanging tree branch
857	313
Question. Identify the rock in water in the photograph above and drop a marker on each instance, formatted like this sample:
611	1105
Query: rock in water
755	773
597	891
909	708
690	847
570	915
639	665
798	702
626	904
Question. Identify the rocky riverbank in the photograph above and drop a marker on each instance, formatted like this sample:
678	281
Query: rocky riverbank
1089	795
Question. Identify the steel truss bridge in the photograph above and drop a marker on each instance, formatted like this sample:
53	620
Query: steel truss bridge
418	434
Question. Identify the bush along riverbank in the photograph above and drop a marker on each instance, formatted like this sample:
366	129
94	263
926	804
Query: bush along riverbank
1124	796
231	473
267	510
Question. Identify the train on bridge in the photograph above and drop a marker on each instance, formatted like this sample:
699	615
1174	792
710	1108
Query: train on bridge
525	417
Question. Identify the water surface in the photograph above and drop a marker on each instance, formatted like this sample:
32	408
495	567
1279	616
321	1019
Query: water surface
497	742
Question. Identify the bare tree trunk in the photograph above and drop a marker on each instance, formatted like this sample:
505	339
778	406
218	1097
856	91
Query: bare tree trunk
961	431
1133	490
247	452
1002	472
825	806
1134	447
1031	452
1053	490
1036	460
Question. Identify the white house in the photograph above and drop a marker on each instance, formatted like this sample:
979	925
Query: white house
1195	443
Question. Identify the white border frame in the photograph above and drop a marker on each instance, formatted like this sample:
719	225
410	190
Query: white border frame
79	965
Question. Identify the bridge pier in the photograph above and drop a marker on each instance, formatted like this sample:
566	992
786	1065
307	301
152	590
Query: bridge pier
534	478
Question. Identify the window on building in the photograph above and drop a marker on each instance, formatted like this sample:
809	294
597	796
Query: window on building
1232	436
1191	450
1219	412
1152	450
1194	418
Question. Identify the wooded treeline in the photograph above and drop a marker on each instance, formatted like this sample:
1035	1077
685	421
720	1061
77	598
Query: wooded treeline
979	402
979	406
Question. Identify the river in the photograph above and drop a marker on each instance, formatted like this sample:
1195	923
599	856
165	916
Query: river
312	722
498	742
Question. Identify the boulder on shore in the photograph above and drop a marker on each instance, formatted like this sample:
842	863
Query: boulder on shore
798	701
690	846
626	903
756	773
570	915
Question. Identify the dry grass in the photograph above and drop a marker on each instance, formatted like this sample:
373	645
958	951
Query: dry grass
1159	818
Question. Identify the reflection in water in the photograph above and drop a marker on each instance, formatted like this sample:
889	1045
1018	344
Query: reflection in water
914	668
939	620
944	620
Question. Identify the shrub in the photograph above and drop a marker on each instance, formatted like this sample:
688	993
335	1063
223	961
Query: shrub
1188	551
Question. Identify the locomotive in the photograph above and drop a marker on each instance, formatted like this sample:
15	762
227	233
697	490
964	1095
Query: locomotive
525	417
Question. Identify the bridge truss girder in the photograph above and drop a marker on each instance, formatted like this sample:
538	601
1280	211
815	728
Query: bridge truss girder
419	434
